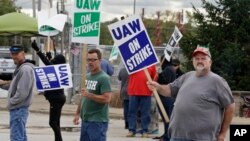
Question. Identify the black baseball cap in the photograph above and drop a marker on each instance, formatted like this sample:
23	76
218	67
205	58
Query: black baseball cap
176	62
16	48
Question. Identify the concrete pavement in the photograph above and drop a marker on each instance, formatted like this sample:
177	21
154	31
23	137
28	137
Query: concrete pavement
41	105
38	128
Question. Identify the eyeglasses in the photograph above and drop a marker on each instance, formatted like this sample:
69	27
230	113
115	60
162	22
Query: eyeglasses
91	59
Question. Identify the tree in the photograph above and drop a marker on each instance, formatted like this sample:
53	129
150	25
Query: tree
7	6
167	28
105	36
225	28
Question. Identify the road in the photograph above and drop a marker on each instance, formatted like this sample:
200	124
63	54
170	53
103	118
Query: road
38	129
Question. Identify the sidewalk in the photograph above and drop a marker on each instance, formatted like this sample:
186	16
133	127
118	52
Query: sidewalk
39	130
41	105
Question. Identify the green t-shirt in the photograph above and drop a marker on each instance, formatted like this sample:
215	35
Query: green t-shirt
98	84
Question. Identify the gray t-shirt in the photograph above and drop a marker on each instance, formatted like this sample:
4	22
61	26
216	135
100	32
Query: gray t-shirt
199	106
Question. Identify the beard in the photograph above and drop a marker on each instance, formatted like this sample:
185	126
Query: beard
199	68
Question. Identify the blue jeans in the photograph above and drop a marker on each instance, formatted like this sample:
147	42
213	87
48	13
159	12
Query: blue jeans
125	111
94	131
168	104
135	103
18	120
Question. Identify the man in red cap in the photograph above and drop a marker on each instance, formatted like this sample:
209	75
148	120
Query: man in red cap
204	104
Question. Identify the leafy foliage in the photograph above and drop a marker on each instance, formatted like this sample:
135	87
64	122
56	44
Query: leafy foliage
167	24
7	6
225	27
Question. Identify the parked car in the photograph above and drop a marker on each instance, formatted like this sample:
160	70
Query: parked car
7	65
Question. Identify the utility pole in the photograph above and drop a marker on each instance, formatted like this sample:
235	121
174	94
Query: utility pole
50	3
143	14
34	16
34	8
157	30
63	32
180	21
134	6
39	7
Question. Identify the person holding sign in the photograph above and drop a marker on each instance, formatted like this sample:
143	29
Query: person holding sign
139	99
167	76
56	97
204	104
94	106
20	94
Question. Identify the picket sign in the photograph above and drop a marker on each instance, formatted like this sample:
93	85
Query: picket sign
53	77
173	41
136	49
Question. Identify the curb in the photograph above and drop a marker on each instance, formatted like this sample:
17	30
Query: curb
111	115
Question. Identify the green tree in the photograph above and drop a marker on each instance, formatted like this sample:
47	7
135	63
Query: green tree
7	6
166	29
105	36
225	28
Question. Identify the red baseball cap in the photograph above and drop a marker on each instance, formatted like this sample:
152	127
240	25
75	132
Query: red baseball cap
202	50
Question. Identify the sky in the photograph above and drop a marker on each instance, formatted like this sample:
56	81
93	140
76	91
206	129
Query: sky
116	8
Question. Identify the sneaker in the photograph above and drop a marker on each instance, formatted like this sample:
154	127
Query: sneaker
145	135
130	134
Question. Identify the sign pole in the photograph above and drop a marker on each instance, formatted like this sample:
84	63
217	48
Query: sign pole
48	44
158	100
84	64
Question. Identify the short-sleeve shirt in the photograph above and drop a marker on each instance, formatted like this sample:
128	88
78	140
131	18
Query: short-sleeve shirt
137	83
97	84
199	106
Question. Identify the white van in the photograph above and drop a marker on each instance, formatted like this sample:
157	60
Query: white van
7	65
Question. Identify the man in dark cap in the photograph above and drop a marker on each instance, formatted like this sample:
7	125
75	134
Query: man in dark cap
176	63
20	94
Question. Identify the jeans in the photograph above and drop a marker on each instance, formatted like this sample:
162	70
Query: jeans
135	103
168	104
54	117
125	112
93	131
18	120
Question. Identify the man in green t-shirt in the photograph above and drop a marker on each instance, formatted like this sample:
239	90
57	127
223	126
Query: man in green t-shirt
94	108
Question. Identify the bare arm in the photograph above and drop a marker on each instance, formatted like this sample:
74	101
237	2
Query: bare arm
77	113
4	82
228	116
161	89
103	98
